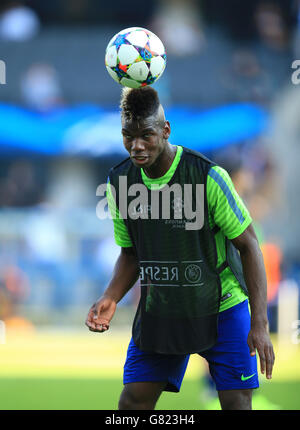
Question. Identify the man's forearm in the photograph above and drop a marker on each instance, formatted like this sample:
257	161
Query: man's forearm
254	274
125	275
255	278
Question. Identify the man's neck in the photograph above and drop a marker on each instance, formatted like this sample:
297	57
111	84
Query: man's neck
163	163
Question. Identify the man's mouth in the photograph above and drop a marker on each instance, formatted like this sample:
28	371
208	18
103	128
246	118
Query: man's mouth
140	158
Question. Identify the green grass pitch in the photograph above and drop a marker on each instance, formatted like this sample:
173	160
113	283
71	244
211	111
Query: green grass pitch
83	371
103	394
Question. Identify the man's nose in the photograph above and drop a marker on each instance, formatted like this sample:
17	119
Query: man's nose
137	144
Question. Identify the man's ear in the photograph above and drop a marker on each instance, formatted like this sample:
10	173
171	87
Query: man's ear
166	130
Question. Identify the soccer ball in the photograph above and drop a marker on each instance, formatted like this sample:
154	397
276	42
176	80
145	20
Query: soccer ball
135	57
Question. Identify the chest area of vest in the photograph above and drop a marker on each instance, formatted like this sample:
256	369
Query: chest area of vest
178	205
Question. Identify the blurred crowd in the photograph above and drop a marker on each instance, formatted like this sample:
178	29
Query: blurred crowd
218	52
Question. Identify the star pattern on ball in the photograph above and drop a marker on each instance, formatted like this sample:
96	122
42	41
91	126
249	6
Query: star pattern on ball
121	40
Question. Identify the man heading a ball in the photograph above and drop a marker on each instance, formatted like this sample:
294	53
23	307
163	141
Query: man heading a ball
195	282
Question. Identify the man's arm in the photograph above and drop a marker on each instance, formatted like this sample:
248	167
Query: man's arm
255	277
125	274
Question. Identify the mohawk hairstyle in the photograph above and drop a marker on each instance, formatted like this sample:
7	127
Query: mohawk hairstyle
139	103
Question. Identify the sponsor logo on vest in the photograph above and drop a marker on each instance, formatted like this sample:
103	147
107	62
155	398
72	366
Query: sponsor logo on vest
192	273
170	273
158	273
187	203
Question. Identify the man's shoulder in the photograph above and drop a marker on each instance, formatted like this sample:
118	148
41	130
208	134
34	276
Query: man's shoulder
219	176
197	159
192	154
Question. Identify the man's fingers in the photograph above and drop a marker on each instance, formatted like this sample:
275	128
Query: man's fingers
262	359
89	322
251	347
262	363
96	312
267	358
262	344
99	328
102	327
270	357
268	362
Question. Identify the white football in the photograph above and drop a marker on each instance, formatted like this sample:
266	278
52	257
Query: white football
135	57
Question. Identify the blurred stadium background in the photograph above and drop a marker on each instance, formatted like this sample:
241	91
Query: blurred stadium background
228	93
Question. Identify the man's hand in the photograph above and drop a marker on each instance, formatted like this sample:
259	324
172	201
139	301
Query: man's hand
125	274
259	339
100	314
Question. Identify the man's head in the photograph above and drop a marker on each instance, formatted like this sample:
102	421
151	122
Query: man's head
144	127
